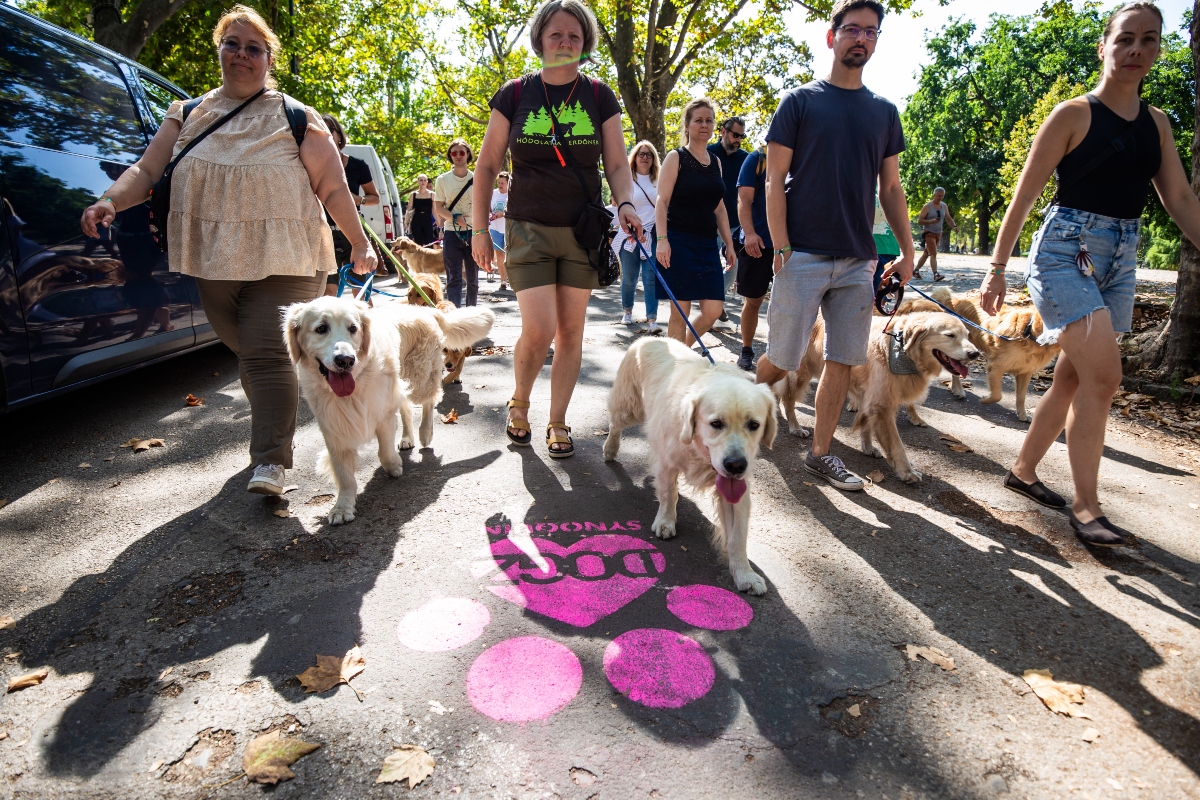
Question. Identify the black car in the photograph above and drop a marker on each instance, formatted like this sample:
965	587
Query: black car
75	310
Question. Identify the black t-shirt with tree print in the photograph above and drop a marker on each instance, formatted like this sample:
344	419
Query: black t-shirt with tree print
543	190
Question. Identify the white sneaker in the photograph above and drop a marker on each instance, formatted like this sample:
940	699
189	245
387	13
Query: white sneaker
491	277
653	328
627	319
267	479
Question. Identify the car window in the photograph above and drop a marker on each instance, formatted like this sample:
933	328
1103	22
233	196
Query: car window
60	97
159	96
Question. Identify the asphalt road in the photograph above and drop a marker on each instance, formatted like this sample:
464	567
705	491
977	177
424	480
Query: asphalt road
174	610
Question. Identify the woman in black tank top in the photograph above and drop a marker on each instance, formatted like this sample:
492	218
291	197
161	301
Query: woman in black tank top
690	216
1107	147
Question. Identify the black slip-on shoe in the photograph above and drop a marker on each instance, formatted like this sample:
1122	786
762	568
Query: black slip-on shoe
1036	491
1095	533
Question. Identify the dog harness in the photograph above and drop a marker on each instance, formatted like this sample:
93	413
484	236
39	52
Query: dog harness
898	361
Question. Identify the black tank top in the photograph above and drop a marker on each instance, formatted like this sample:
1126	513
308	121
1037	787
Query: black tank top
1119	186
697	193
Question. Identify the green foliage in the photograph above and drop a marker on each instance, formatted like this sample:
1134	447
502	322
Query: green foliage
1160	246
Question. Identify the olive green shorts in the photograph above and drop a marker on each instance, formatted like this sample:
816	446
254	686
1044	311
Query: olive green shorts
541	255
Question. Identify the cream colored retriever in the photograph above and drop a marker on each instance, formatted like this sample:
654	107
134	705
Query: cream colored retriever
932	342
1020	356
419	258
359	366
704	422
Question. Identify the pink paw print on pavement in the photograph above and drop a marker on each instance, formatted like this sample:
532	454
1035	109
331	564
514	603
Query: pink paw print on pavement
528	678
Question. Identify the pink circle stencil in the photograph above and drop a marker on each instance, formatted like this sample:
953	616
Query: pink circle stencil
709	607
444	624
658	668
524	679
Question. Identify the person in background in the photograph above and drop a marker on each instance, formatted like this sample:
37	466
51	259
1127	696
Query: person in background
496	226
728	150
358	179
755	258
246	222
885	243
452	207
420	213
933	217
643	162
690	216
550	272
1082	268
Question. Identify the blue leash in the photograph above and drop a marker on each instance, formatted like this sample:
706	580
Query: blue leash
670	294
954	313
367	286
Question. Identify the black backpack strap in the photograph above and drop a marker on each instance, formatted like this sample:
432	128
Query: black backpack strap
204	134
297	118
458	196
189	107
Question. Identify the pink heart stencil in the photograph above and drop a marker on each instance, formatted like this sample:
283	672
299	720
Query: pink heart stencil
582	583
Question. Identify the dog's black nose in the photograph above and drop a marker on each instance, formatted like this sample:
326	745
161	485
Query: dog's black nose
734	466
972	355
343	362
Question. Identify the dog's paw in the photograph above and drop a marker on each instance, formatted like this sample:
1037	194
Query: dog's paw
911	477
394	470
872	451
1025	417
750	581
917	422
406	443
340	515
800	430
663	529
611	449
987	401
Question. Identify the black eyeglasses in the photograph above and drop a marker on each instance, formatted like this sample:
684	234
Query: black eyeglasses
251	50
854	31
644	154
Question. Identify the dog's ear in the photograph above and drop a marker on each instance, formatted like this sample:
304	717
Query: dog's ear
364	319
772	424
291	330
913	336
689	403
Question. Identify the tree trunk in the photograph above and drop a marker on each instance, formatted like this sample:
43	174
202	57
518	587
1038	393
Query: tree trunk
129	37
1181	353
985	224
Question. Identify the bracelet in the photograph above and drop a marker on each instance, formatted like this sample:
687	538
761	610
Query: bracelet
660	238
479	233
109	199
782	250
626	203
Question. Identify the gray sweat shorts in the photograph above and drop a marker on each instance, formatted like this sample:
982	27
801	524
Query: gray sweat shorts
840	288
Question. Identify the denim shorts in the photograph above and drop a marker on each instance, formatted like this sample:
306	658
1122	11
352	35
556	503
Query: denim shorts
497	238
840	288
1061	293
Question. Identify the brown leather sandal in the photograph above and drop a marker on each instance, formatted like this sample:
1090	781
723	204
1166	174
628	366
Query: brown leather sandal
553	439
524	437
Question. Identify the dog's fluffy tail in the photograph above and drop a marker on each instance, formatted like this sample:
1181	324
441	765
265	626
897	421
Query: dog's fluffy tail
463	327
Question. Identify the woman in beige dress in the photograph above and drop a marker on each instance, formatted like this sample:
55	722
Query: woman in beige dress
246	223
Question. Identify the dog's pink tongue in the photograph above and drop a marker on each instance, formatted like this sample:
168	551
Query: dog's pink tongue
342	383
731	489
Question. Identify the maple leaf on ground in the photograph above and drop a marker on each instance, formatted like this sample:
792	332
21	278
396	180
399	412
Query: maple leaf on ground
269	757
139	445
450	418
930	654
25	681
332	671
408	761
1059	697
192	400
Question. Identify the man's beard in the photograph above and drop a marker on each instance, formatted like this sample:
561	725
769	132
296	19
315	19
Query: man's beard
730	147
855	58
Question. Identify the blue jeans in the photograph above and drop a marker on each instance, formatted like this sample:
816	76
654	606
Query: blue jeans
631	265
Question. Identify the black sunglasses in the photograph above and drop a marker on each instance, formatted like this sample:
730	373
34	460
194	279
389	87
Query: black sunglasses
734	134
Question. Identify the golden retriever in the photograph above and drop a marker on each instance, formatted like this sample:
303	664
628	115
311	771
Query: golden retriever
455	357
932	342
703	422
418	258
358	367
1021	357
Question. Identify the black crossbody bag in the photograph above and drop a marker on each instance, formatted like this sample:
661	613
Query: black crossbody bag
160	195
594	231
463	236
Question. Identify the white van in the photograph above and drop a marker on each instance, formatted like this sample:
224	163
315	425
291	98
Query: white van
381	218
397	205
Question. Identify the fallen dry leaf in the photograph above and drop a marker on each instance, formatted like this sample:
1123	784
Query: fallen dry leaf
599	433
331	671
165	673
268	757
407	761
25	681
7	623
281	512
139	445
854	710
1090	735
437	708
192	400
946	437
85	465
958	447
3	502
3	735
875	475
1059	697
450	418
1192	381
930	654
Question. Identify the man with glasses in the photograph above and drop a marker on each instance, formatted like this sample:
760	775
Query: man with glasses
728	150
830	140
452	208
